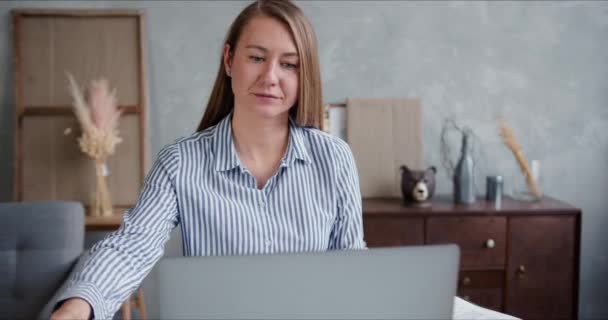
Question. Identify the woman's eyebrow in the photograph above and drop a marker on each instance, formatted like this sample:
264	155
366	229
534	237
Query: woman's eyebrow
286	54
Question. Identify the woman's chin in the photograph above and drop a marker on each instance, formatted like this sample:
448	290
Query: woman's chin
270	111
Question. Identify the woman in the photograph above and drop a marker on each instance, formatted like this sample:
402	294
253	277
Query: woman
257	178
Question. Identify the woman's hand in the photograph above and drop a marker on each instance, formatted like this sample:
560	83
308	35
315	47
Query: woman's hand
73	308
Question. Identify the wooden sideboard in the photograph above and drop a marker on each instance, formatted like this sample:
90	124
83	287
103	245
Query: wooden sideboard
521	258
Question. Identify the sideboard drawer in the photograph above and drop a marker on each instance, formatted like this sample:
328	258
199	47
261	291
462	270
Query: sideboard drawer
387	231
481	279
482	240
490	298
482	287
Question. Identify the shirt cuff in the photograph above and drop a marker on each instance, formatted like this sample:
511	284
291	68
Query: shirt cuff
88	292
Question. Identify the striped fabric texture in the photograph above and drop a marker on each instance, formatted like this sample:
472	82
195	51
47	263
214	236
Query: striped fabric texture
311	203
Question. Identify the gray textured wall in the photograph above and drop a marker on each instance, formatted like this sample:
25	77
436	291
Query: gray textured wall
544	65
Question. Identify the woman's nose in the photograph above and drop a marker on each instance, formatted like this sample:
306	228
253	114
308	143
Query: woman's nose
270	73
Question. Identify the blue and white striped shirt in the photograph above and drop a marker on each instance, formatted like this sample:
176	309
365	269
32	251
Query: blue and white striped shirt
311	203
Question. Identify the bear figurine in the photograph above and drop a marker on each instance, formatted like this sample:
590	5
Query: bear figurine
417	186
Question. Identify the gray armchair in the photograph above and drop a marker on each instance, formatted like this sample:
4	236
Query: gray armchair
40	242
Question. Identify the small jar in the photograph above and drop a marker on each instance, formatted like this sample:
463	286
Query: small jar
494	189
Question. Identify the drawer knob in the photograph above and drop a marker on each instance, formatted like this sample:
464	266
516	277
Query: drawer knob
521	270
466	281
490	243
467	298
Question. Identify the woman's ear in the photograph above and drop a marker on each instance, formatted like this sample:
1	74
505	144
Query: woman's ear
227	59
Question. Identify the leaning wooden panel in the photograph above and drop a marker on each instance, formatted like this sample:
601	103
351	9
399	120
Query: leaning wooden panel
88	43
369	134
35	54
125	181
383	135
55	168
87	47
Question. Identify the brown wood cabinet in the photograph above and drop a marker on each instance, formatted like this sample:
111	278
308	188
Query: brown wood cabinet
521	258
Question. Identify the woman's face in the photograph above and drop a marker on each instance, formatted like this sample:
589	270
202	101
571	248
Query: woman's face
264	68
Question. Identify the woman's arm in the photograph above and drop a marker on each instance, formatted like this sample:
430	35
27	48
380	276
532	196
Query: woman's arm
73	308
118	264
347	232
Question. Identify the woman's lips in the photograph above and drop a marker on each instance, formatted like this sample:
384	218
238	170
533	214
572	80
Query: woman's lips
265	98
263	95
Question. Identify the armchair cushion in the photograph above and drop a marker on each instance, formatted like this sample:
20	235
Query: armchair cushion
39	244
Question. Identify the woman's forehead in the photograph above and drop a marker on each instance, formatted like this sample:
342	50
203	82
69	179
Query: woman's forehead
267	34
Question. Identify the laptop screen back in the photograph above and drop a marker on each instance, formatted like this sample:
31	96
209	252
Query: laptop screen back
388	283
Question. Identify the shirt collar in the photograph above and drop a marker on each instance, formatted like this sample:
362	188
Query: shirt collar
296	150
225	152
223	146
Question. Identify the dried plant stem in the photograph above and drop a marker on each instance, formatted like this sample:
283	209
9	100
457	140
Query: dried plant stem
102	204
523	164
509	139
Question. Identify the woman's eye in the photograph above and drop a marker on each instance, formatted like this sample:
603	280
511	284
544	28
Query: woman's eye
290	65
256	58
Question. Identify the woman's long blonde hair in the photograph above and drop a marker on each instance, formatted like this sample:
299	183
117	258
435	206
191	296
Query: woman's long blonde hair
308	109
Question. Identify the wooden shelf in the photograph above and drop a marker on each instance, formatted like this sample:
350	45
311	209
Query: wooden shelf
110	223
78	13
105	223
444	205
67	110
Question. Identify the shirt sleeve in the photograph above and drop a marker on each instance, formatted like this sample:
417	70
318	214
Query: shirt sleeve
347	231
117	265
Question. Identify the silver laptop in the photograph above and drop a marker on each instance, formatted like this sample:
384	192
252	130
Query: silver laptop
416	282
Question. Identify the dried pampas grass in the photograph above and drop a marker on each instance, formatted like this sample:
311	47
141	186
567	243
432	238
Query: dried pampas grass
98	116
509	139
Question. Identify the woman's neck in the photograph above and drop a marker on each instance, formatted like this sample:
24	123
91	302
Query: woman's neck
258	140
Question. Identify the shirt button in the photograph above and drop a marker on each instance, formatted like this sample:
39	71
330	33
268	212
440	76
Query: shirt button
268	243
262	204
